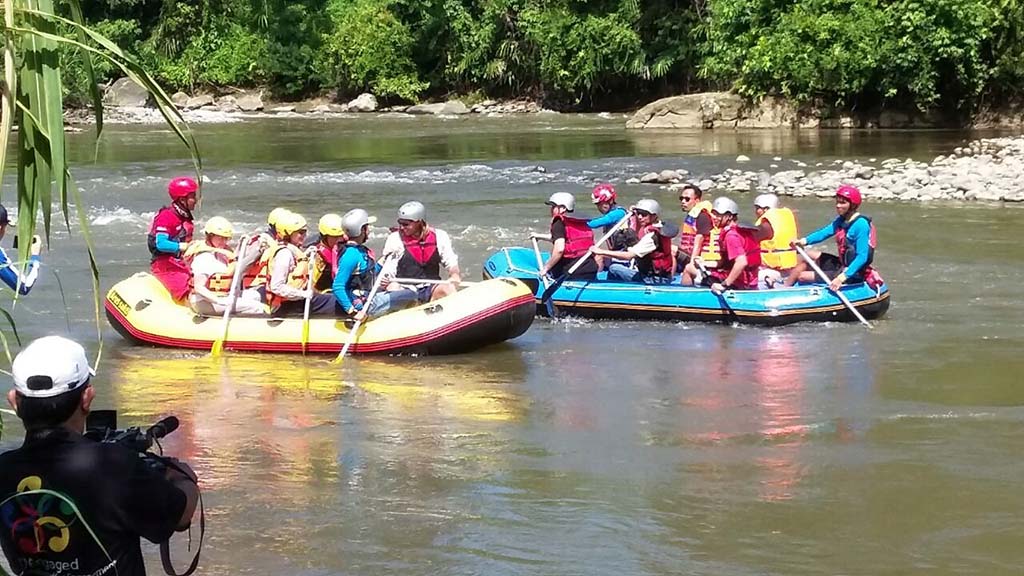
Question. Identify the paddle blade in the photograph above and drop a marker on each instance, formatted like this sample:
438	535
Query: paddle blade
218	347
551	289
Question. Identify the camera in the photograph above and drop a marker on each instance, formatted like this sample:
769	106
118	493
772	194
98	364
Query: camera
101	426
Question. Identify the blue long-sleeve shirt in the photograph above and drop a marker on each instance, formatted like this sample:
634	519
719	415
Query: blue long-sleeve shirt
10	275
858	235
353	263
606	221
166	245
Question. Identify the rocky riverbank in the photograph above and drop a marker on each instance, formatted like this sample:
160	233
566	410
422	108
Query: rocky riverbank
127	103
990	169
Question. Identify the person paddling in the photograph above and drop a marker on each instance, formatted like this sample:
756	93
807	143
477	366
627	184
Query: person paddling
9	272
328	246
358	270
213	268
289	273
419	251
570	239
651	254
855	243
740	252
776	229
604	197
169	236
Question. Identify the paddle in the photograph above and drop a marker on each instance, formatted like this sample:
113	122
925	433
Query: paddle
355	327
725	303
310	254
218	345
810	262
553	287
543	277
428	281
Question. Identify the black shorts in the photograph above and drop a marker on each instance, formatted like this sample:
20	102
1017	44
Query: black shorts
831	265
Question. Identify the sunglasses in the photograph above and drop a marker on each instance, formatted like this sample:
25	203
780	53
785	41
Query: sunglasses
686	198
642	213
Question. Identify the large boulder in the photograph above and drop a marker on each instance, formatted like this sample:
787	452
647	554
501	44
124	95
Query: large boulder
179	99
199	101
435	108
250	102
455	107
705	110
365	102
125	93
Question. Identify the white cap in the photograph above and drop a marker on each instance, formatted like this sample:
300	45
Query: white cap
50	366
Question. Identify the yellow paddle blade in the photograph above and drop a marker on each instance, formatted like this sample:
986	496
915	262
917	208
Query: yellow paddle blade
218	347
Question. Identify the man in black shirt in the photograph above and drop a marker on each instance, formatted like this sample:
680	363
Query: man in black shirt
69	505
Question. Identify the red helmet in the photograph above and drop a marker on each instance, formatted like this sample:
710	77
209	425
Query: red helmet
603	193
181	187
850	193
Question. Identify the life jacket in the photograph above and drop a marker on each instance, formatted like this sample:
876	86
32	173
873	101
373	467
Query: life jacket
776	252
325	266
361	283
709	251
219	283
181	231
750	245
659	262
848	252
421	258
298	276
579	238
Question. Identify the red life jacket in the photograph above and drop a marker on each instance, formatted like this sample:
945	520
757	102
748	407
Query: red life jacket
578	236
176	222
659	262
848	252
751	247
421	258
325	267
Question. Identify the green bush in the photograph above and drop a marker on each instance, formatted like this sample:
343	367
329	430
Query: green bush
76	84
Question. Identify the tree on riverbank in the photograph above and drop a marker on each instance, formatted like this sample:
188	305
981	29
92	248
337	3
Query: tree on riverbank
594	53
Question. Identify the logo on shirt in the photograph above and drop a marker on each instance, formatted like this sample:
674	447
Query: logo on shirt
36	522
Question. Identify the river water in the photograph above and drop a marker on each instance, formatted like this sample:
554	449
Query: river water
580	447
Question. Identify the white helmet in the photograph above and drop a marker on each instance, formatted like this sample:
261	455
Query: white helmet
648	205
767	201
414	211
563	199
723	205
354	220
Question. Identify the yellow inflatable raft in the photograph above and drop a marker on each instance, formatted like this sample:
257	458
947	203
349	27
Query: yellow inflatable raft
142	310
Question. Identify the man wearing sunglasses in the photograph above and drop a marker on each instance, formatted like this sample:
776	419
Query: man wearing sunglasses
652	255
699	237
420	251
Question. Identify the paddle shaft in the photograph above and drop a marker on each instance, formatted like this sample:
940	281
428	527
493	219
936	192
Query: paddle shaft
366	306
550	290
543	277
814	265
704	270
233	298
310	255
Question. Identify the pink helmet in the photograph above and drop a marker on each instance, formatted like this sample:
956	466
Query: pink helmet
181	187
850	193
603	193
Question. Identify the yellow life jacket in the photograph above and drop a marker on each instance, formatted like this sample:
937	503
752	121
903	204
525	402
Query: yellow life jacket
219	283
711	252
775	251
298	276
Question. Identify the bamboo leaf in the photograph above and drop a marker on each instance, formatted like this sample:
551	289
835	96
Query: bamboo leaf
83	221
90	74
8	90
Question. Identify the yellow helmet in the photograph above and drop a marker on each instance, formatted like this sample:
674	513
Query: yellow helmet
275	215
290	223
219	226
330	225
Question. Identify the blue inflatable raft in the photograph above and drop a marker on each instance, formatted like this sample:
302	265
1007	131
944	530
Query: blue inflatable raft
621	300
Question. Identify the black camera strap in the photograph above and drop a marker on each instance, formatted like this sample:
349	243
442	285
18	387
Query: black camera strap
165	547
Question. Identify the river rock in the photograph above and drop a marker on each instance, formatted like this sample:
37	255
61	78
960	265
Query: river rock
742	158
669	176
365	102
706	184
283	109
179	99
305	107
434	108
199	101
227	104
649	178
125	93
250	102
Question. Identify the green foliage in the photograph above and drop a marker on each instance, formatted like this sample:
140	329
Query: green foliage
907	52
124	33
370	49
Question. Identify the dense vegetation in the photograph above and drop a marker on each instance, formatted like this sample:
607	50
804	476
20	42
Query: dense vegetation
950	54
